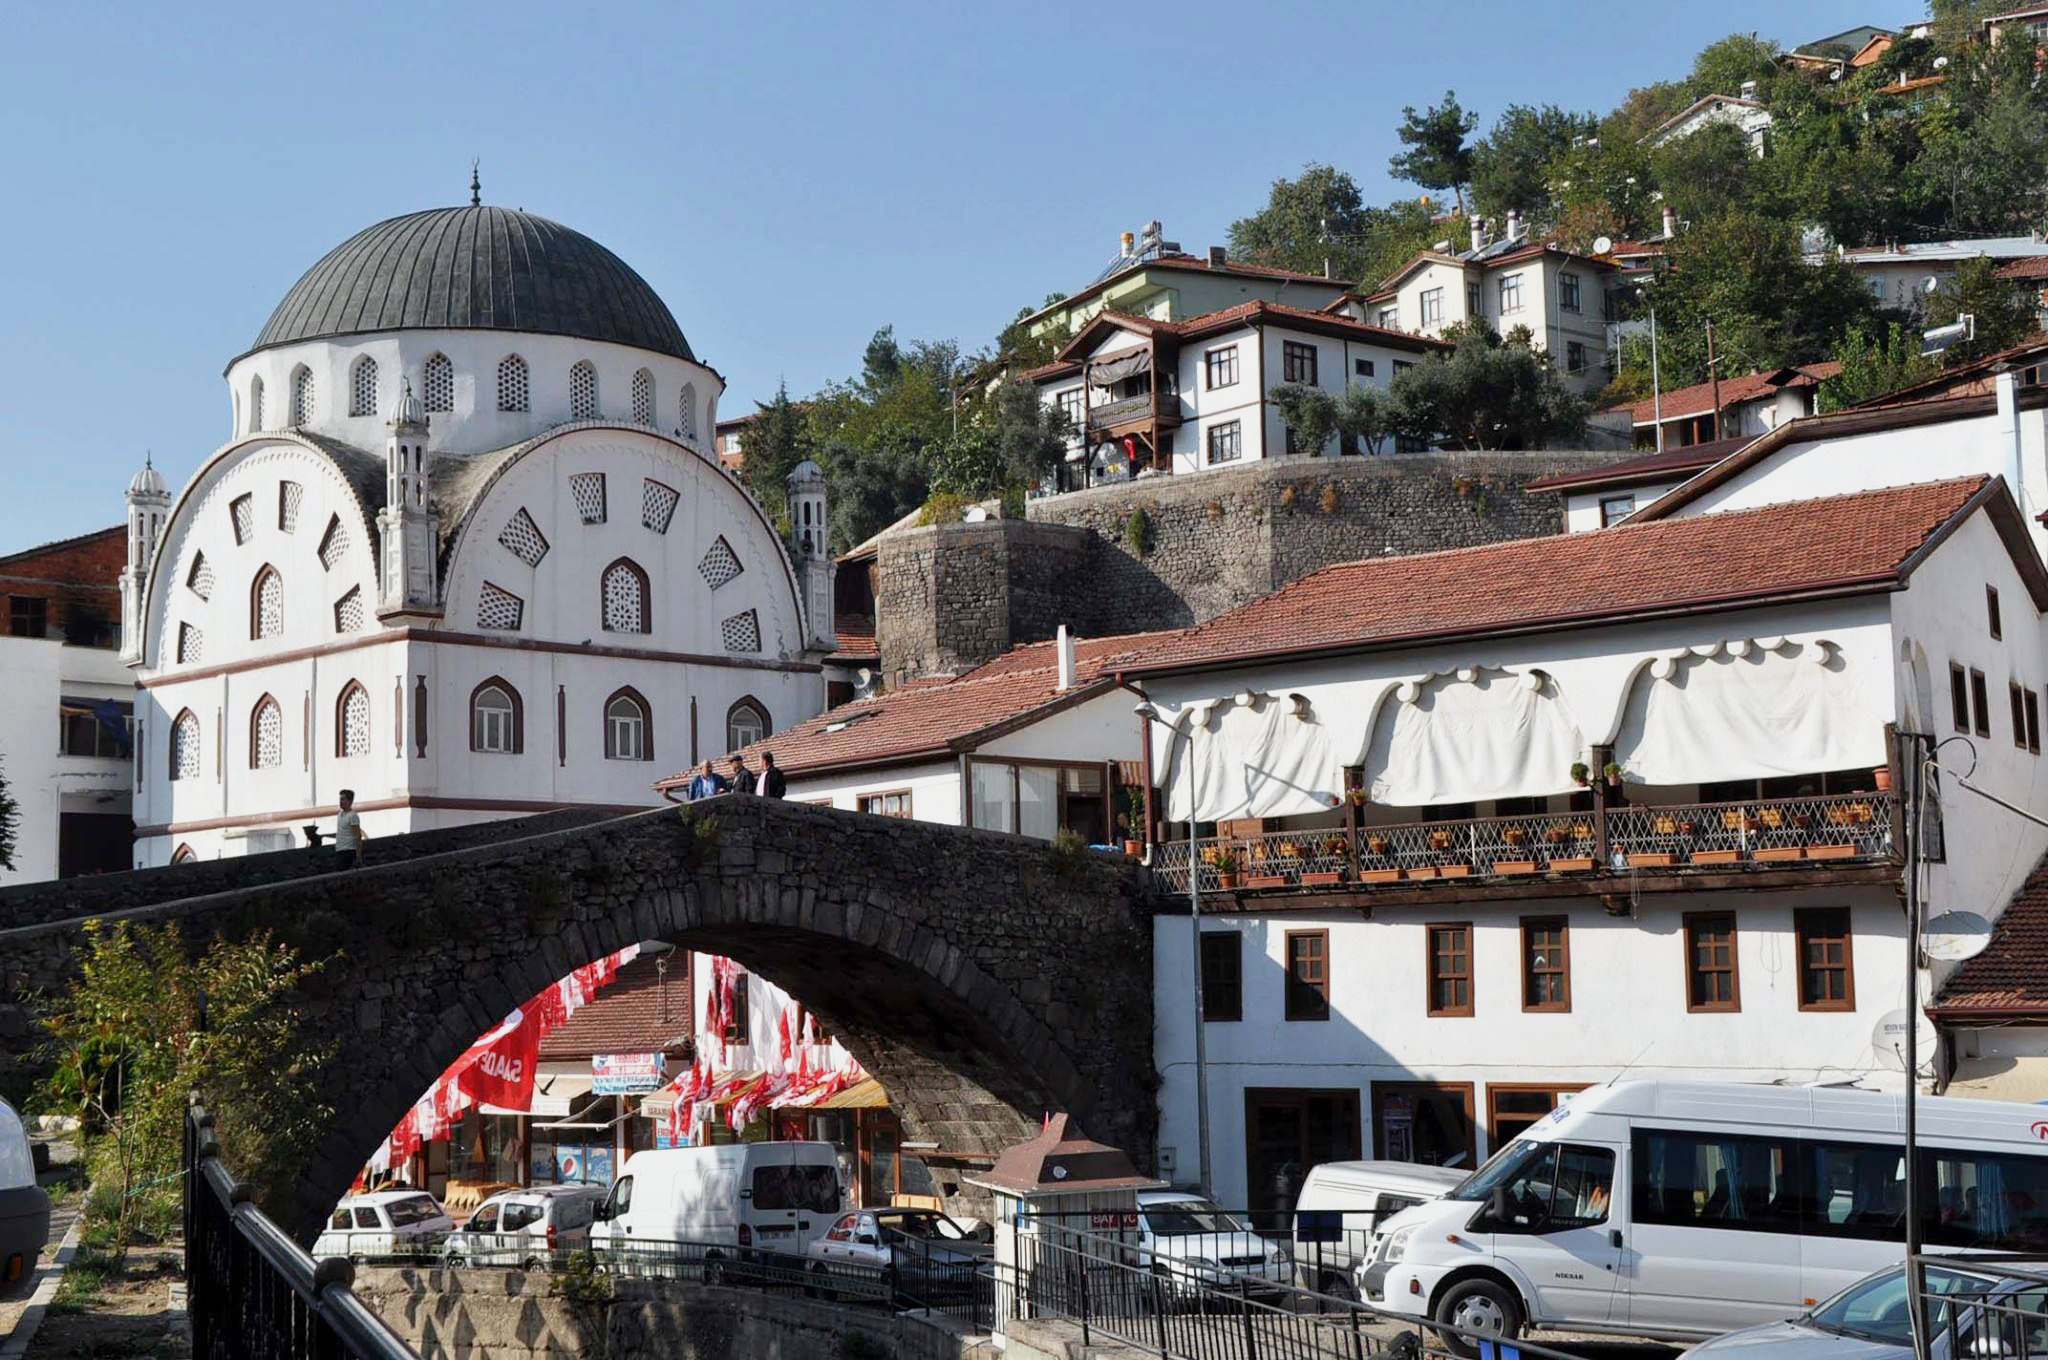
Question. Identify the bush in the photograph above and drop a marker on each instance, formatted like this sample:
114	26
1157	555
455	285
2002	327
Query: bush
1138	532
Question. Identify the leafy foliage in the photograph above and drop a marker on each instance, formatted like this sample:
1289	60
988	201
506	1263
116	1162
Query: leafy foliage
1437	156
1489	393
10	820
774	445
2004	314
1511	164
1873	365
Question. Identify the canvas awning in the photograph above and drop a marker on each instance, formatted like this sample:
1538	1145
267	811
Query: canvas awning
866	1094
2023	1079
1126	364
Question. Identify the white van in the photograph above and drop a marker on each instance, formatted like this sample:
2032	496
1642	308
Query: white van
24	1206
1337	1215
1685	1209
752	1197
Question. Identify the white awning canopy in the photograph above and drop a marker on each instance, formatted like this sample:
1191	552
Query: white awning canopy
1476	734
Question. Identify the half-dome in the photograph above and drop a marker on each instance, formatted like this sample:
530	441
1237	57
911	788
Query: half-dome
475	268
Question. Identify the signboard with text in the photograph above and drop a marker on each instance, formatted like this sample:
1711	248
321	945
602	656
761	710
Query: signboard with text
626	1074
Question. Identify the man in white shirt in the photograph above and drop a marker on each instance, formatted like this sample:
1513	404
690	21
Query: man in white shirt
348	829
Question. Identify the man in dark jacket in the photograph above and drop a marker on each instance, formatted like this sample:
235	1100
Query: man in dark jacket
774	783
742	777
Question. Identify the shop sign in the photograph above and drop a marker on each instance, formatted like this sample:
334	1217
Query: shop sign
625	1074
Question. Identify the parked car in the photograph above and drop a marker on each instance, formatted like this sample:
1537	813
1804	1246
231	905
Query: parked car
525	1227
1337	1215
401	1222
915	1255
1191	1244
720	1205
1869	1321
24	1207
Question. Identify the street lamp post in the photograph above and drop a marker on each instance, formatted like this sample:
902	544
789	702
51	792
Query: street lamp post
1148	711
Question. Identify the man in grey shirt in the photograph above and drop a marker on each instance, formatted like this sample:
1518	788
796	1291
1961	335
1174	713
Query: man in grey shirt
348	830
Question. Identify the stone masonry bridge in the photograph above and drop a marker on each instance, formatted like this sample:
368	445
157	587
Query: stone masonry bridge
983	978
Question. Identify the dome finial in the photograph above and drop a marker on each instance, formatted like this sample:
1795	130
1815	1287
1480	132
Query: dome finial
476	188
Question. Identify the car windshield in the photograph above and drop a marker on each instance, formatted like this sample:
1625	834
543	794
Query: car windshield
1186	1216
1875	1308
412	1209
1500	1168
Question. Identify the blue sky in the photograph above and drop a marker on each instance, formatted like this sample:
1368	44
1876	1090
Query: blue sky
788	177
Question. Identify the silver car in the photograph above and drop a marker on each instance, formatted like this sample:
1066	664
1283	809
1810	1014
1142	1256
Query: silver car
525	1228
1992	1315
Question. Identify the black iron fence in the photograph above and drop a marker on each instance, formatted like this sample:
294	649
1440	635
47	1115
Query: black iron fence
1993	1306
251	1290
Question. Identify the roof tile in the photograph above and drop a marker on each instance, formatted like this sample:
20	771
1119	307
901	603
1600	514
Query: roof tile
2012	972
631	1015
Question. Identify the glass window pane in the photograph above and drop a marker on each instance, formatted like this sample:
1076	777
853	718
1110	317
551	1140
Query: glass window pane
994	806
1038	802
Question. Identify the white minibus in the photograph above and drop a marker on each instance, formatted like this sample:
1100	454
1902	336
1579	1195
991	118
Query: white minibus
1684	1209
753	1197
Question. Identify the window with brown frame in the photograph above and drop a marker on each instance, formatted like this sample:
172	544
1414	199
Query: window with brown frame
2017	697
2033	722
1546	964
1222	975
893	804
1222	366
1297	362
1308	975
1980	703
1959	697
1450	969
1991	611
1827	971
1711	983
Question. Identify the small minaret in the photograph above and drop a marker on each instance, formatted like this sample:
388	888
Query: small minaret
149	505
810	547
406	524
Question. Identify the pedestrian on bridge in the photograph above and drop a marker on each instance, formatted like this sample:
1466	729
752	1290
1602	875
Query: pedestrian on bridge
706	783
774	783
742	777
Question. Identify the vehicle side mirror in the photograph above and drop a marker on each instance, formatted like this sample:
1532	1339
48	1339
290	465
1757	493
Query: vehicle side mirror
1497	1204
602	1213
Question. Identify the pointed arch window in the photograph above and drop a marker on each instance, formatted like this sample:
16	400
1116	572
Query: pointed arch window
437	384
643	398
511	383
362	387
583	391
266	604
266	735
628	726
686	414
352	720
255	404
185	746
625	598
302	396
746	722
496	718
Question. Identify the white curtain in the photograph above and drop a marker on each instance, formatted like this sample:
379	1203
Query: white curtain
1257	761
1496	736
993	808
1800	711
1038	801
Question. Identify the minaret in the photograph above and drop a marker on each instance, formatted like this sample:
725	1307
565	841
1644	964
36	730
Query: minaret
149	505
407	524
810	548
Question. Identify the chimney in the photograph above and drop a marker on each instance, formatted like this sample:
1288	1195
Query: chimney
1128	241
1217	256
1479	233
1749	89
1063	643
1670	223
1514	231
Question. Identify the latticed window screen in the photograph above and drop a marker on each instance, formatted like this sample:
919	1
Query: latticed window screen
657	505
268	735
355	722
588	490
199	580
499	609
643	398
242	510
255	405
523	539
333	543
511	383
438	384
686	412
362	388
185	747
583	391
191	643
302	397
742	632
720	563
289	494
268	606
348	612
625	599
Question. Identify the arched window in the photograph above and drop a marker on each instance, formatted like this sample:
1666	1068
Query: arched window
266	604
628	727
255	404
686	413
183	855
437	384
625	599
302	396
185	746
583	391
746	722
511	383
266	735
352	720
362	387
496	720
643	398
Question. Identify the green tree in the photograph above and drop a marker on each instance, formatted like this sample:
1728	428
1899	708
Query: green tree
10	819
1012	444
1316	217
872	488
1721	67
2005	314
1490	392
1872	365
1362	416
773	445
1707	172
1511	165
1437	156
1017	349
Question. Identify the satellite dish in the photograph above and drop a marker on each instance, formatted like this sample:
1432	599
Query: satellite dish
1929	283
863	677
1954	936
1602	244
1888	1038
975	514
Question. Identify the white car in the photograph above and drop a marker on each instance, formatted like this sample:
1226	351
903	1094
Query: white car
402	1222
525	1228
1191	1244
919	1255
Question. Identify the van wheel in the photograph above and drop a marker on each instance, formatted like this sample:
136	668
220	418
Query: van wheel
1482	1306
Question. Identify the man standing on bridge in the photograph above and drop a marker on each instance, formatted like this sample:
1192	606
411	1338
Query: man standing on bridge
348	830
774	783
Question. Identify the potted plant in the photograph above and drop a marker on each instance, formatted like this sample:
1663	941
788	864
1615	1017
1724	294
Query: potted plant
1688	827
1335	848
1226	868
1376	844
1883	775
1582	773
1130	819
1556	835
1613	773
1358	797
1439	840
1514	835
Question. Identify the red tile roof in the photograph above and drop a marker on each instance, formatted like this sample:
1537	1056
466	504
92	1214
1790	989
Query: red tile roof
1836	545
627	1017
856	637
2031	268
1255	312
1698	399
2010	978
1192	263
1679	462
939	715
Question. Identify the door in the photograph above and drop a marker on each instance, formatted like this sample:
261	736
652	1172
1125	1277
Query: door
482	1232
372	1236
618	1210
788	1202
1713	1237
1560	1231
1419	1121
1287	1131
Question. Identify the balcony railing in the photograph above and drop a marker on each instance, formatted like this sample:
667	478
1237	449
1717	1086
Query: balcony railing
1760	833
1118	411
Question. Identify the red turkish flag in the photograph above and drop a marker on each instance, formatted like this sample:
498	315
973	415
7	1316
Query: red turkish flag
498	1068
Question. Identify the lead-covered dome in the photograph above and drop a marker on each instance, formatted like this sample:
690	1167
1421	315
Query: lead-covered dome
479	268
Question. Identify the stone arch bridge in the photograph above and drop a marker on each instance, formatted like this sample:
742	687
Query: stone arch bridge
984	978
